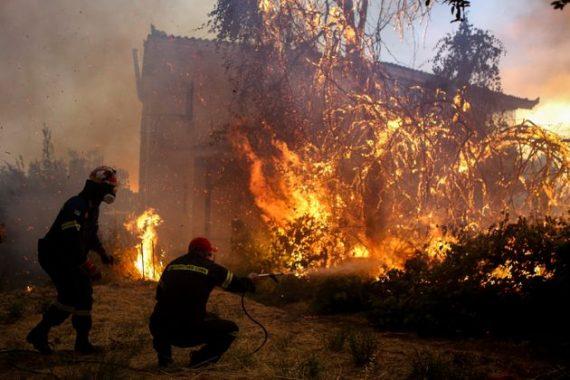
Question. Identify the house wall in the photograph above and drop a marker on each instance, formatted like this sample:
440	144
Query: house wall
186	95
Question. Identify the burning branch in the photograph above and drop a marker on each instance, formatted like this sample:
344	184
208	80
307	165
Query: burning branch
148	262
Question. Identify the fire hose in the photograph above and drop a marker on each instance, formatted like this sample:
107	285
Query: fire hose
272	276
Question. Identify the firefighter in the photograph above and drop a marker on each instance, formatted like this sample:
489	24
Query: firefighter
63	254
180	318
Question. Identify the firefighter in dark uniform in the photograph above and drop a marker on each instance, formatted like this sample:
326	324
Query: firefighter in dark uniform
63	254
179	317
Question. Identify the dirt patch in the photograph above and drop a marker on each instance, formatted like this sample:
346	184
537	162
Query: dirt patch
299	346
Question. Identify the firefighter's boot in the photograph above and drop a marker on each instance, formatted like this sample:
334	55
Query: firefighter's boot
212	351
82	325
163	351
164	361
38	336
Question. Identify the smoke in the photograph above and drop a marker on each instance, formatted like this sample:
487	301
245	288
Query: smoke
67	63
538	62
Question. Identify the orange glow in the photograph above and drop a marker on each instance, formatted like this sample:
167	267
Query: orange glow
554	115
148	262
360	251
370	171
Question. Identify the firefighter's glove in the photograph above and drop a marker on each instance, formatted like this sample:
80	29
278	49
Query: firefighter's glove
91	270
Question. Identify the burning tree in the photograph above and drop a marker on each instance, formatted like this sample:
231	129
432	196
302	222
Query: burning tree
344	161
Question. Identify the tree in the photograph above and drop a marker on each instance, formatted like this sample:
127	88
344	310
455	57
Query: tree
471	56
560	4
458	7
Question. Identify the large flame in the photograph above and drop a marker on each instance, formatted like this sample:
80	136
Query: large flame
292	191
148	262
350	166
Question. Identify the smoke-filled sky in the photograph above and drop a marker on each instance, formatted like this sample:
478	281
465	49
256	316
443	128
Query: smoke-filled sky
67	64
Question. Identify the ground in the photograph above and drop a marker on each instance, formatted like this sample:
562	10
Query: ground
299	346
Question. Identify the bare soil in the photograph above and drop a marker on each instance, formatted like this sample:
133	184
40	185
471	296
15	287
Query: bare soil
298	345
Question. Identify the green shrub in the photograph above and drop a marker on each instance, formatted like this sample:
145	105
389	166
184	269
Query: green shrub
288	289
459	295
362	348
340	294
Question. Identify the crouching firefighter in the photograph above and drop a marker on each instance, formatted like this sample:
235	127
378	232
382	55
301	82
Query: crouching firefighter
179	317
63	254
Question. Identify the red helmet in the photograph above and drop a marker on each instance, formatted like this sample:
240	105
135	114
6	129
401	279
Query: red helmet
106	179
201	244
104	174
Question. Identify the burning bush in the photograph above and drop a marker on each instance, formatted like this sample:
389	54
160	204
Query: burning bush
506	281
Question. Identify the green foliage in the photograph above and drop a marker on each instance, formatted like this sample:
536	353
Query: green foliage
325	294
463	294
247	255
459	7
362	348
288	289
340	294
293	246
560	4
233	20
470	56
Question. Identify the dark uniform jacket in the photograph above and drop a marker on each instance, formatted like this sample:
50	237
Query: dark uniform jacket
72	235
185	286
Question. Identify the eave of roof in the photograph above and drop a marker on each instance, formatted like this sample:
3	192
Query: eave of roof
507	101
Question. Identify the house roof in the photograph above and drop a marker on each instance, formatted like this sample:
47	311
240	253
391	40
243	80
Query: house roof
397	72
505	101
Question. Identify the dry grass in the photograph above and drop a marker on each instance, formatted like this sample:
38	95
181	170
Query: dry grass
298	347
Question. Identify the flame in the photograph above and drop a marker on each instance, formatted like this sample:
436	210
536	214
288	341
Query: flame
439	247
371	171
502	272
291	196
148	262
360	251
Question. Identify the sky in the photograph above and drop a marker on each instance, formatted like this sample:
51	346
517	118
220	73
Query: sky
67	64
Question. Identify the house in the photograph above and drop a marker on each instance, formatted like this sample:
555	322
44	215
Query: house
186	95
